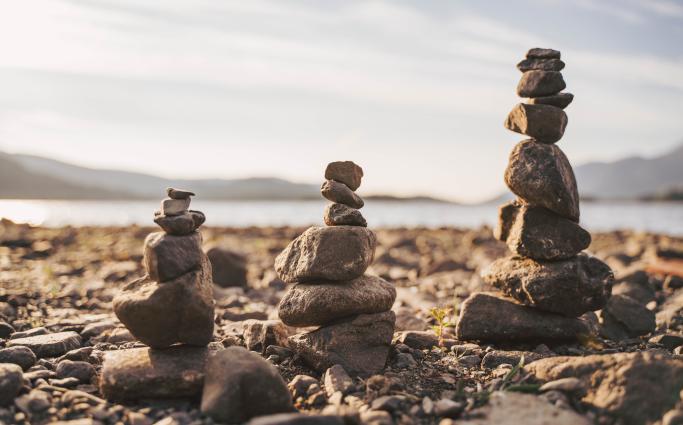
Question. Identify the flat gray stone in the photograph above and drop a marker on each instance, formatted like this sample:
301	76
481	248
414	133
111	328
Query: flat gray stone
569	287
167	257
540	83
544	123
346	172
539	233
360	345
335	253
531	64
313	304
340	193
560	100
49	345
489	317
542	53
542	176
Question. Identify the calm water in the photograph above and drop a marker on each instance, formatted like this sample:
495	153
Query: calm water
596	216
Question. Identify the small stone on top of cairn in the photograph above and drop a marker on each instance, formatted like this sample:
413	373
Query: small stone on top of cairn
548	282
331	290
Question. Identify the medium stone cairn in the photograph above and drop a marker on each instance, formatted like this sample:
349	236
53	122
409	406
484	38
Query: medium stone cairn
326	265
548	282
173	303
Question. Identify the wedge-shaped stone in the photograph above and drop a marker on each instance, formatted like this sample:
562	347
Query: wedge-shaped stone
360	344
541	175
144	373
489	317
544	123
168	257
532	64
312	304
48	345
560	100
346	172
539	233
327	253
341	215
569	287
340	193
540	83
176	311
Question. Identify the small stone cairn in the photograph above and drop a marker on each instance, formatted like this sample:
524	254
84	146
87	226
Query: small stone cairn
549	280
352	310
173	303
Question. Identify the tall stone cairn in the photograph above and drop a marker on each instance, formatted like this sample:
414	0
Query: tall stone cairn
173	303
548	282
331	291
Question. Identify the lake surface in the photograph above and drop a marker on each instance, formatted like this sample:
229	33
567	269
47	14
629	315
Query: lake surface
664	217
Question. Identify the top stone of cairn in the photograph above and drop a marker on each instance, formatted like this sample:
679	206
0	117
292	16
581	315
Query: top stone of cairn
346	172
174	193
540	53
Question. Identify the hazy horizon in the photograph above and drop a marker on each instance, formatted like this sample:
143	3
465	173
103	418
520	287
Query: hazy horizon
415	92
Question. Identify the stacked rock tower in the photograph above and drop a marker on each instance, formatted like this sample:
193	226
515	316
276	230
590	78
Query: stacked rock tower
326	265
173	303
548	273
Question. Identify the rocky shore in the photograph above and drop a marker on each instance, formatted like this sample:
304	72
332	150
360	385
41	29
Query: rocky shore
58	327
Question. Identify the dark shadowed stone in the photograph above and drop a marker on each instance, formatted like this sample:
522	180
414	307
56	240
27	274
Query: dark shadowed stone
560	100
540	83
144	373
539	233
22	356
488	317
327	253
297	419
11	382
360	345
180	225
83	371
541	175
340	193
541	53
623	317
174	193
341	215
168	257
422	340
229	267
569	287
540	64
544	123
49	345
259	334
5	330
240	385
636	388
161	314
346	172
317	304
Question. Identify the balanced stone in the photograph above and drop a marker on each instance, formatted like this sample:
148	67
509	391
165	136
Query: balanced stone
240	385
560	100
541	175
48	345
178	193
544	123
346	172
341	193
180	225
327	253
167	257
488	317
541	53
539	233
341	215
569	287
319	304
144	373
360	344
540	83
532	64
174	206
178	310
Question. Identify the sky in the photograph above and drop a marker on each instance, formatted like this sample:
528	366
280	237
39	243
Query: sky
414	91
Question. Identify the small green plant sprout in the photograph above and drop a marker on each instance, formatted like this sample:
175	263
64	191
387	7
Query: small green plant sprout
442	319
